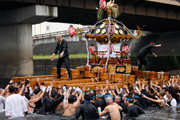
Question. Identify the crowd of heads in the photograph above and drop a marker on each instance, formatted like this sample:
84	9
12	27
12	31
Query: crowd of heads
129	101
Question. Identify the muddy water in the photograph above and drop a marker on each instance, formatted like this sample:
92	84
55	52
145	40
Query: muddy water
166	113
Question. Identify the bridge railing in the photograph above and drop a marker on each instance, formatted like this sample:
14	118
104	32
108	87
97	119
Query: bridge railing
53	34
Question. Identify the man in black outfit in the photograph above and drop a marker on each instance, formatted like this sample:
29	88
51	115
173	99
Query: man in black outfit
62	47
142	56
87	110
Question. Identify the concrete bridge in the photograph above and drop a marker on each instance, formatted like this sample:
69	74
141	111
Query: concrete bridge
17	17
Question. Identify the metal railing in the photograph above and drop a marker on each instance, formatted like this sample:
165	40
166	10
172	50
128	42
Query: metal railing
53	34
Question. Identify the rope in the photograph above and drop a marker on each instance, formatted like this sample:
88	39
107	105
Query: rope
109	42
144	76
123	77
109	76
98	73
147	74
160	76
113	77
127	78
87	54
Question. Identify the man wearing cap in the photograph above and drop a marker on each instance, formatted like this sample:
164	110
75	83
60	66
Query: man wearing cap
136	99
133	110
100	102
62	47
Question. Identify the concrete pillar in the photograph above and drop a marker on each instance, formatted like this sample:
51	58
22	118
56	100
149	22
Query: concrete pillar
16	51
16	45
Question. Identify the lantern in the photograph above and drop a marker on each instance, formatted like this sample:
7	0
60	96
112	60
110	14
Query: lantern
111	30
111	49
125	49
71	31
92	49
102	4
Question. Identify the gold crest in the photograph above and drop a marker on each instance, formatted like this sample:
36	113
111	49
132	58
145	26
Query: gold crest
120	69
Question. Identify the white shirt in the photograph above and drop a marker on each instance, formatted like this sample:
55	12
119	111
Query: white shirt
15	106
173	101
2	100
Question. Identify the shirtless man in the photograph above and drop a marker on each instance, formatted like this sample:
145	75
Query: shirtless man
112	108
71	105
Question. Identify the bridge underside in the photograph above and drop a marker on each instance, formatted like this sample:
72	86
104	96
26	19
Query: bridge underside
83	12
88	17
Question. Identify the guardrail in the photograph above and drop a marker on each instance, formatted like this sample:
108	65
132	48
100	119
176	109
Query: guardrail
53	34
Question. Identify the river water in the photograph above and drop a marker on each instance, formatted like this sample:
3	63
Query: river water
166	113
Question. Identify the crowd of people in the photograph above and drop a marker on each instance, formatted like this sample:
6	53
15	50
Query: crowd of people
21	99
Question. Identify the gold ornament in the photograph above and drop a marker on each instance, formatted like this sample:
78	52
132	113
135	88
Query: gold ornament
117	26
94	27
116	32
98	31
124	28
102	26
128	68
121	32
103	31
120	69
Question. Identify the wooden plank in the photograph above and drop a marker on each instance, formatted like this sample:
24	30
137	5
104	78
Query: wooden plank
73	81
88	74
63	71
104	76
118	78
18	79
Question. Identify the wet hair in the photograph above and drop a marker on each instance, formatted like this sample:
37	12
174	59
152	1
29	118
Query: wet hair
120	95
26	82
72	98
129	98
87	98
36	91
169	91
32	94
99	95
162	93
54	94
136	96
92	96
11	89
42	83
151	43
